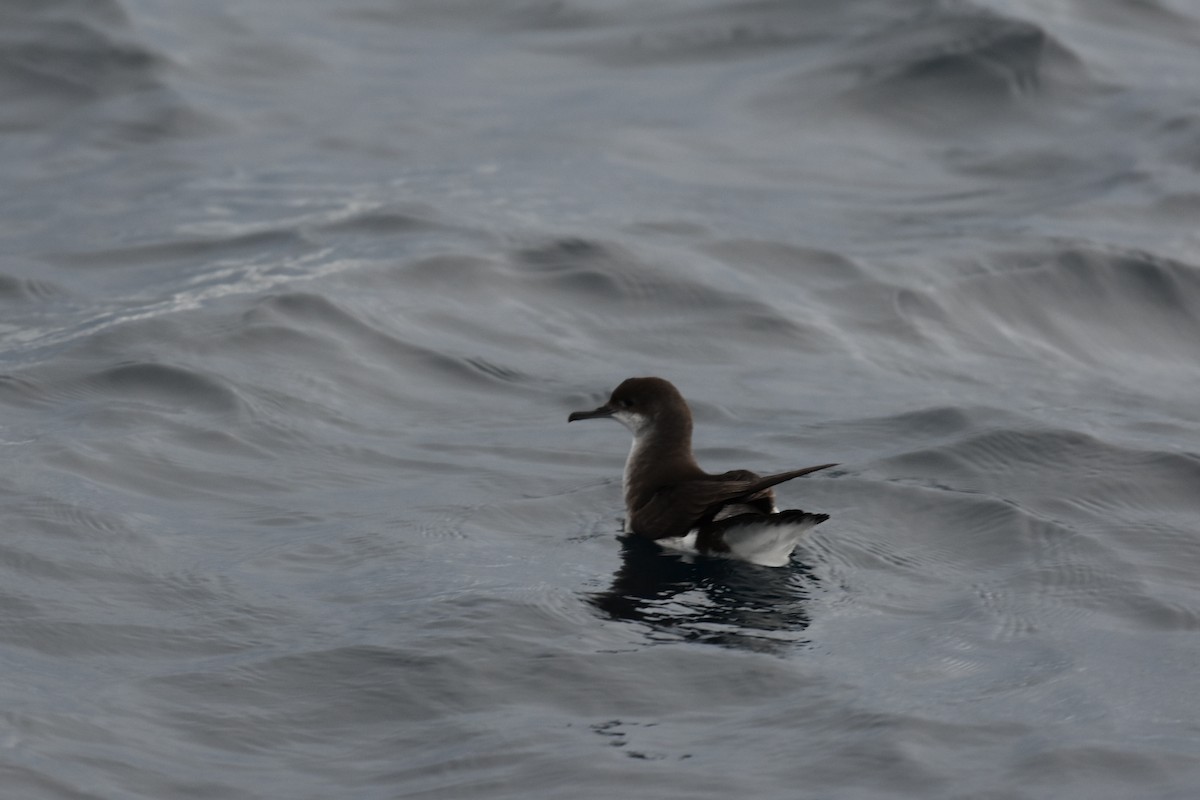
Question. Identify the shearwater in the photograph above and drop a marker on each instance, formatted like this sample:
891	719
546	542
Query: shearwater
670	499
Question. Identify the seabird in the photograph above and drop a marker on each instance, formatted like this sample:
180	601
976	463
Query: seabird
670	499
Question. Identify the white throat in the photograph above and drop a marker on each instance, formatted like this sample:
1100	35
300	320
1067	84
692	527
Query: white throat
638	425
635	451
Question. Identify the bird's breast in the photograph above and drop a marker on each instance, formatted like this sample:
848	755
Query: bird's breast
635	455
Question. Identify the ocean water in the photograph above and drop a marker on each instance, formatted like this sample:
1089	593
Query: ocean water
295	299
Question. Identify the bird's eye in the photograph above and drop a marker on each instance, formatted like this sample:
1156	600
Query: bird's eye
625	402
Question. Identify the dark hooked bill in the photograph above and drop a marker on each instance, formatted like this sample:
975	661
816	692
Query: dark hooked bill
603	411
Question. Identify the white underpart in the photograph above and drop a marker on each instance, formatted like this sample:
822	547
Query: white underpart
765	545
768	545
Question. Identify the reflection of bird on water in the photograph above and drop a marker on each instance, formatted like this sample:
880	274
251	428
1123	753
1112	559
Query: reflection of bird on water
718	601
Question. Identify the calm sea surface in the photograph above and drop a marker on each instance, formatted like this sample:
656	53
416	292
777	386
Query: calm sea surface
295	299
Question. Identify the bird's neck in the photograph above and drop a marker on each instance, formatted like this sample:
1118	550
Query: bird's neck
661	455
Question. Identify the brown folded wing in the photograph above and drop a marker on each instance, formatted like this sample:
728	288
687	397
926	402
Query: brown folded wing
675	510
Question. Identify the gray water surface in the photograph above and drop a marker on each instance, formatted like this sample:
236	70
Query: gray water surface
295	299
